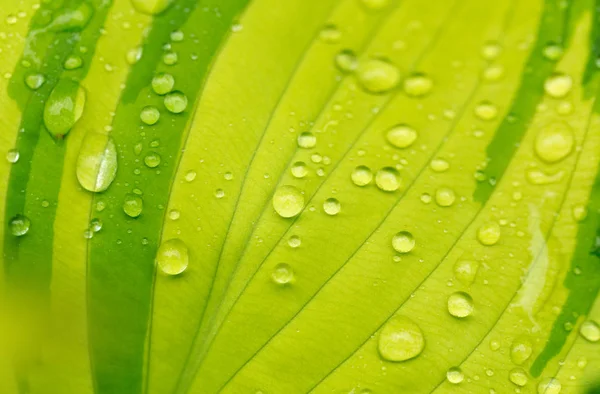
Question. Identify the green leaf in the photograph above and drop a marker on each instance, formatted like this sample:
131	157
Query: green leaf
339	196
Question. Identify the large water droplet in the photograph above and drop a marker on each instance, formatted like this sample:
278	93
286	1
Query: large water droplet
35	81
299	169
64	107
455	375
558	85
362	176
460	304
172	257
332	206
288	201
19	225
403	242
445	197
378	75
163	83
401	136
520	350
590	330
97	162
72	19
388	179
150	115
518	376
554	142
418	85
151	7
282	274
307	140
176	102
465	271
400	339
549	386
12	156
152	160
133	205
489	233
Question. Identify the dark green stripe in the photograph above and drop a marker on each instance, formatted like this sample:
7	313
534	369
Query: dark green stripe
553	29
121	256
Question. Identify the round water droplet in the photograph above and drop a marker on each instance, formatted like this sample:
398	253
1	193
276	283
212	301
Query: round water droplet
486	111
401	136
95	225
64	107
378	75
418	85
330	34
590	330
219	193
579	212
150	115
307	140
491	50
558	85
35	81
346	61
460	304
518	376
170	58
553	51
374	5
362	176
282	274
190	176
489	233
177	36
520	350
332	206
134	55
444	197
493	72
151	7
176	102
294	241
299	169
133	205
152	160
172	257
174	214
403	242
97	162
465	271
73	62
12	156
288	201
388	179
439	165
163	83
549	386
455	375
554	142
400	339
19	225
425	198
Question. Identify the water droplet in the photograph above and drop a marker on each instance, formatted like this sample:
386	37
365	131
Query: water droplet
35	81
134	55
19	225
100	206
418	85
439	165
536	176
64	107
72	19
219	193
554	142
288	201
11	19
174	214
388	179
228	176
558	85
465	271
150	115
12	156
489	233
88	234
95	225
494	345
401	136
375	5
400	339
455	375
460	304
172	257
190	176
307	140
403	242
378	75
579	212
151	7
553	51
73	62
177	36
332	206
362	176
282	274
163	83
133	205
491	50
97	162
346	61
152	159
170	58
444	197
518	376
330	34
549	386
425	198
486	111
176	102
590	330
520	350
493	72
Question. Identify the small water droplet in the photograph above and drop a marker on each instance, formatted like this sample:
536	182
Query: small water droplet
388	179
172	257
445	197
150	115
19	225
307	140
579	212
177	36
100	206
465	271
362	176
151	7
549	386
554	142
455	375
97	162
299	169
425	198
88	234
282	274
12	156
493	72
590	330
520	350
378	75
518	376
460	304
35	81
494	345
418	85
553	51
170	58
332	206
163	83
64	107
219	193
294	241
73	62
346	61
439	165
558	85
486	111
176	102
330	34
403	242
174	214
95	225
190	176
288	201
401	136
489	233
134	55
133	205
400	339
152	160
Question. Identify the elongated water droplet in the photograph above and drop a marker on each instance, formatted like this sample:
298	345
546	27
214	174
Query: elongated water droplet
177	36
558	85
307	140
445	197
19	225
172	257
439	165
590	330
72	62
288	201
401	136
418	85
536	176
362	176
460	304
163	83
72	19
520	350
403	242
388	179
35	81
400	339
332	206
151	7
64	107
150	115
486	111
466	270
554	142
455	375
12	156
378	75
346	61
95	225
176	102
493	72
489	233
133	205
282	274
553	51
518	376
491	50
97	162
549	386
